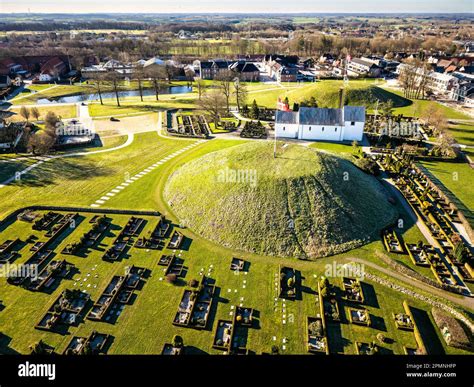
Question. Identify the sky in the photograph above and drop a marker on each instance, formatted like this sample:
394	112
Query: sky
237	6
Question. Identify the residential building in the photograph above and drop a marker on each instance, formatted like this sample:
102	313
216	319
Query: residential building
363	67
245	71
212	69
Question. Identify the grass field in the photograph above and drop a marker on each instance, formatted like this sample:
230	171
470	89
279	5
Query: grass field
145	326
63	111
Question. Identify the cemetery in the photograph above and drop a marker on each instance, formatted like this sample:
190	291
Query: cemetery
169	349
328	301
123	240
316	336
190	125
50	275
176	240
95	344
392	242
419	253
7	254
289	283
195	306
173	265
117	293
439	215
352	290
403	321
238	264
224	335
100	225
359	316
67	310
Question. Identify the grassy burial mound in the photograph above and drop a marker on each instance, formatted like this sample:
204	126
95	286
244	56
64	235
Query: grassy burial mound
304	203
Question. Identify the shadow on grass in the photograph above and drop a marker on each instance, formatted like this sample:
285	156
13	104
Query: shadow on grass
427	332
70	168
5	345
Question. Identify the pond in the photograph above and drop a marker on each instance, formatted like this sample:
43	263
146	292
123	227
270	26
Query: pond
129	93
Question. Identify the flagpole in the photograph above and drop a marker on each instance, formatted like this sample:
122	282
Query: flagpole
275	139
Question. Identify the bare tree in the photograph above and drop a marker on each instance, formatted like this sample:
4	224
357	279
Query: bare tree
214	104
35	113
115	79
225	81
98	79
139	75
25	113
156	74
201	87
240	92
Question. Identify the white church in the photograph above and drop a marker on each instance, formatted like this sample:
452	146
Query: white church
325	124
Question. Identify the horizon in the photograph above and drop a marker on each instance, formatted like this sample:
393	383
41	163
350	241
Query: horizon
228	7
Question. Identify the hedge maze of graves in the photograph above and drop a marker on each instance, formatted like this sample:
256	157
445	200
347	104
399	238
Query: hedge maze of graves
190	125
449	256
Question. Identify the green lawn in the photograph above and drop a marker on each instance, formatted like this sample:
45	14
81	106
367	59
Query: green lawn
456	177
145	326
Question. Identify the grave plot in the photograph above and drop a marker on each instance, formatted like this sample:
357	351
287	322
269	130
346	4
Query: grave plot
392	242
38	259
421	350
195	306
176	240
366	348
194	125
253	129
46	221
100	224
27	216
118	291
230	336
95	344
328	301
419	253
169	349
403	321
316	336
352	290
289	284
223	336
173	264
7	254
440	271
359	316
66	310
52	273
155	241
238	264
244	316
121	243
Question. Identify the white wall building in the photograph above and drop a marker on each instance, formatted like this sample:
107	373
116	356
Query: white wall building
345	124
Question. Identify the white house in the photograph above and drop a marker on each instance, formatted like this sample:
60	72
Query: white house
344	124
